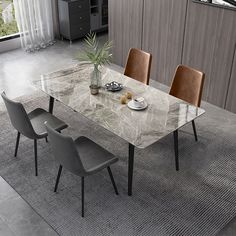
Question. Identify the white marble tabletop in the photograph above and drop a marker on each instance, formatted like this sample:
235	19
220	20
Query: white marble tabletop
164	114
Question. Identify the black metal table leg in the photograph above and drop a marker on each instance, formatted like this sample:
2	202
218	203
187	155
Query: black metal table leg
17	143
194	130
130	168
112	180
176	149
58	178
51	104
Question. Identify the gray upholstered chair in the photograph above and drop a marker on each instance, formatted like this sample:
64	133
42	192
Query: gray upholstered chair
82	157
31	125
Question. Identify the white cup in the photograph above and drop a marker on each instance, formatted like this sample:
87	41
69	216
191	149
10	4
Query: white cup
138	102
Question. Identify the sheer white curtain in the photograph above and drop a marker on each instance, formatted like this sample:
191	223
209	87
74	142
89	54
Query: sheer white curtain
35	22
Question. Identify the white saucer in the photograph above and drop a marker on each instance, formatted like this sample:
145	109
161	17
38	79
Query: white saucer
133	107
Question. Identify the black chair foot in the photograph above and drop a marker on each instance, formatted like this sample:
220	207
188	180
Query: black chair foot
194	130
17	143
112	180
58	178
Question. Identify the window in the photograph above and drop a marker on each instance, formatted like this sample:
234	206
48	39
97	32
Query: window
8	26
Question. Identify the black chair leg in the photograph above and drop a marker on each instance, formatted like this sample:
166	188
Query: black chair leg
58	178
46	139
176	150
17	143
82	196
194	130
112	180
35	157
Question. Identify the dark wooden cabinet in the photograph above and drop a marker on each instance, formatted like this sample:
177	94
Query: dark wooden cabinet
74	18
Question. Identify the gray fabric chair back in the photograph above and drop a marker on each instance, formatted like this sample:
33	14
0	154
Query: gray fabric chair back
65	152
19	117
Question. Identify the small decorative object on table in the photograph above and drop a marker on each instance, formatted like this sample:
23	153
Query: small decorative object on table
126	97
114	86
129	95
96	55
123	99
94	89
138	104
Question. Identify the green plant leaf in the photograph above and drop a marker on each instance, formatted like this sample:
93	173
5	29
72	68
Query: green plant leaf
94	54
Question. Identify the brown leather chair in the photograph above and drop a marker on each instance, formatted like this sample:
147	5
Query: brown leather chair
138	65
188	85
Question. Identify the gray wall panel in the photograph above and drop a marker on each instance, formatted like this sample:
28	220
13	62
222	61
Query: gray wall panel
125	27
200	37
208	46
222	57
163	34
231	98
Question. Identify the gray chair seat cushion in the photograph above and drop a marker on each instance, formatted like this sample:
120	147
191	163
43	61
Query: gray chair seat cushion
93	156
39	116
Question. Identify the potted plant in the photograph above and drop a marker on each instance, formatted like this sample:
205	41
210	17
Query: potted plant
97	55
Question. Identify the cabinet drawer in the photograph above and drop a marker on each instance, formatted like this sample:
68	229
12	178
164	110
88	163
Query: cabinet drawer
79	18
79	30
79	34
78	6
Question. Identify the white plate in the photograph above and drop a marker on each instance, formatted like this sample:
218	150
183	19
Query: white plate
133	107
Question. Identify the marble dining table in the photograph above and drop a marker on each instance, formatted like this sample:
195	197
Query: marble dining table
165	114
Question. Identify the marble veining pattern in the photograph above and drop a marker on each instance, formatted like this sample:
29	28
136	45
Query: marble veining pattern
164	114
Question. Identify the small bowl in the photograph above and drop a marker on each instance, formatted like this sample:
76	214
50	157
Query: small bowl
114	86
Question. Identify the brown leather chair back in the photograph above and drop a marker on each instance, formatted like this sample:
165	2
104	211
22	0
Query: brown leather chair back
188	85
138	65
